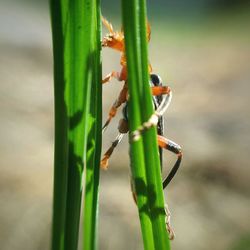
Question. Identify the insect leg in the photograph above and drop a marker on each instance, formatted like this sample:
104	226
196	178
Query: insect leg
154	118
148	31
118	102
120	76
108	153
171	233
123	129
175	148
160	90
111	75
108	25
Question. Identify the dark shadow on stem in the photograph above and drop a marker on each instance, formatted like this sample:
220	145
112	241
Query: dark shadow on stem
75	119
74	199
149	207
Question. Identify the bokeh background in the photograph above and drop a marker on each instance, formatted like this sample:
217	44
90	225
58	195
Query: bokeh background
199	48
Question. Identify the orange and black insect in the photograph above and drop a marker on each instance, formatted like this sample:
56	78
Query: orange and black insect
161	97
115	40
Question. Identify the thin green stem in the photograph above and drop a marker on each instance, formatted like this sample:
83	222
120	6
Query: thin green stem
61	130
94	146
145	161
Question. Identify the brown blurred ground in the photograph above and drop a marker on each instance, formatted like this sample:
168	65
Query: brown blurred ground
209	73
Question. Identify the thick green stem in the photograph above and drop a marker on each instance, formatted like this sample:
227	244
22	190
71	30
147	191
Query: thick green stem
75	51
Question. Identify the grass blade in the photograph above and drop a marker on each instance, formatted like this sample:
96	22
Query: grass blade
94	146
61	130
145	161
73	32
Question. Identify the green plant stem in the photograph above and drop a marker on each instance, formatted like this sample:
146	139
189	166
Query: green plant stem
73	32
145	161
61	130
94	145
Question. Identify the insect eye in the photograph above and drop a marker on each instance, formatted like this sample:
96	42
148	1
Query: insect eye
155	79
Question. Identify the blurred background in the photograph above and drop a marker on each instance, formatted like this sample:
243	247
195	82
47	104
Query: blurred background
201	49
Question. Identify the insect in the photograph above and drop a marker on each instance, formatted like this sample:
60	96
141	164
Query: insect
161	98
115	40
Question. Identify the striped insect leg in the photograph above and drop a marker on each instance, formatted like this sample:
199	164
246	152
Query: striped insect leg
123	129
175	148
167	144
122	98
108	153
